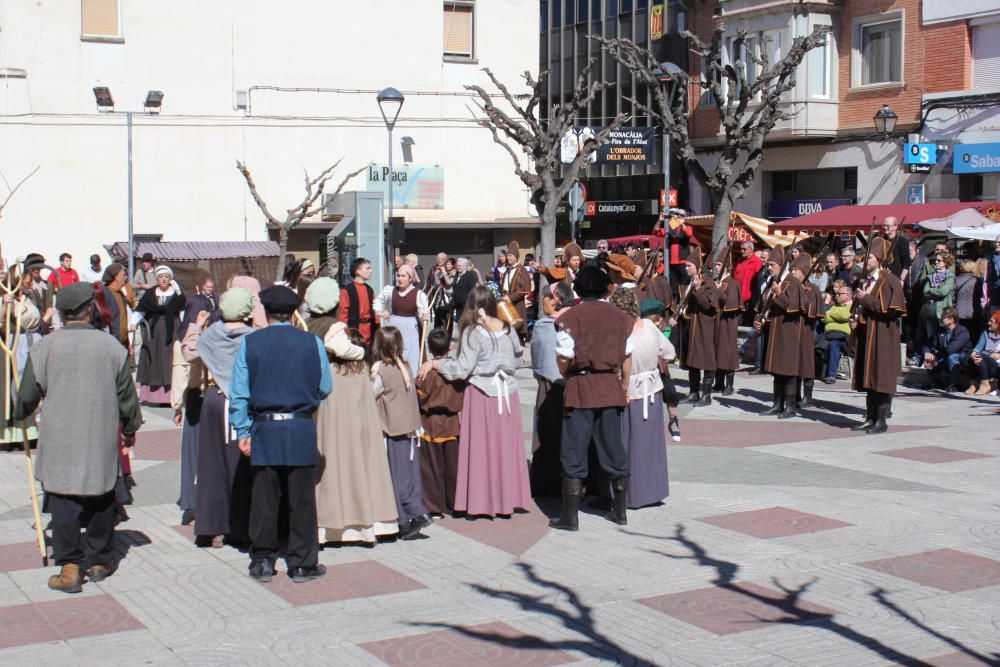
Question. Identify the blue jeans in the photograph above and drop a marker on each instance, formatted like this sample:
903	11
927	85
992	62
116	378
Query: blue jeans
834	352
954	363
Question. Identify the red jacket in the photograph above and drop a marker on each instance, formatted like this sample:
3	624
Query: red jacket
744	272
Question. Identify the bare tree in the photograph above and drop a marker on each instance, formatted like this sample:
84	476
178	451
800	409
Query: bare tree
7	199
540	140
748	99
311	204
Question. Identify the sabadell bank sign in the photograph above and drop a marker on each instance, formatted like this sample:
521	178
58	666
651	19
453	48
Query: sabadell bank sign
977	158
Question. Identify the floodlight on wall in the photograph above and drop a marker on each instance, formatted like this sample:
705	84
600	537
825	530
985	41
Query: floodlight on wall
390	101
885	121
154	100
102	94
407	144
242	100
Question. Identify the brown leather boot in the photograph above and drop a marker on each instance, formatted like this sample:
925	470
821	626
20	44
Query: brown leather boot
69	579
96	573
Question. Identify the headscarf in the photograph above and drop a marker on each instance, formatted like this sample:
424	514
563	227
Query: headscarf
236	305
251	283
163	269
408	270
322	296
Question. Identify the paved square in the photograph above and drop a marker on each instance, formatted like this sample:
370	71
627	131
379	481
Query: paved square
66	618
163	445
515	535
738	607
342	582
932	454
947	569
20	556
478	645
773	522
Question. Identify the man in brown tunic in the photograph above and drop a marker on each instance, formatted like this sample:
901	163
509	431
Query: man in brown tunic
880	304
590	343
700	316
727	356
813	310
783	331
516	285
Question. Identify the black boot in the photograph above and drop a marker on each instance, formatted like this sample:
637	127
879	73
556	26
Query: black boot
694	385
720	379
778	396
881	412
869	414
570	517
730	378
807	393
619	501
790	396
706	390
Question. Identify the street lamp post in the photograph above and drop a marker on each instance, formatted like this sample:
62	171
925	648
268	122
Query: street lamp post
885	121
106	104
390	101
667	72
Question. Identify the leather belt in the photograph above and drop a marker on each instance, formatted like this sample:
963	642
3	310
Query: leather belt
587	371
281	416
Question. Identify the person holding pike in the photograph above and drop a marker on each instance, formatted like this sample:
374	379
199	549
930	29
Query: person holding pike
699	313
782	329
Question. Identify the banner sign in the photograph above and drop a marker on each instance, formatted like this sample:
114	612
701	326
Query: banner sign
626	144
977	158
793	209
594	209
655	22
413	186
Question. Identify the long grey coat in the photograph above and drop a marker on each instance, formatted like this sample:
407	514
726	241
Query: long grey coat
84	378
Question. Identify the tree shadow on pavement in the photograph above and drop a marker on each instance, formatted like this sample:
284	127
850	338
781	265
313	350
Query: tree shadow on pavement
789	603
125	539
578	619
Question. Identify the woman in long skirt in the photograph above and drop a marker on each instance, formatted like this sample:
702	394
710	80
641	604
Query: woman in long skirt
161	308
223	477
492	465
642	421
404	307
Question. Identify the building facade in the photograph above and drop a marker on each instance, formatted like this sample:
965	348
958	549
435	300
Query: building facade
281	87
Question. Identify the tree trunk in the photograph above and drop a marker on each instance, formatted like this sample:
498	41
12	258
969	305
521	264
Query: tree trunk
547	250
282	251
720	227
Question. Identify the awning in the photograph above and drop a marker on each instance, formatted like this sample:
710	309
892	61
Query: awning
764	230
984	233
193	251
760	228
967	217
850	219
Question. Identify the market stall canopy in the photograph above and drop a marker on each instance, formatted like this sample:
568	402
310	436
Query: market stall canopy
765	232
984	233
850	219
759	229
193	261
967	217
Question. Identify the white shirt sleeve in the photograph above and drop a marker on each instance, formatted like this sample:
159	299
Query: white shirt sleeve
565	345
383	300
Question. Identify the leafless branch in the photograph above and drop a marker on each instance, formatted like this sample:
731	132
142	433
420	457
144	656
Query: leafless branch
14	189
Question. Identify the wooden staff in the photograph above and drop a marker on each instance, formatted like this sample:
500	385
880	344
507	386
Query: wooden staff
427	329
299	322
35	506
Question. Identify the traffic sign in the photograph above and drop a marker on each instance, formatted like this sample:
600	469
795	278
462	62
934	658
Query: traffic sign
577	195
915	193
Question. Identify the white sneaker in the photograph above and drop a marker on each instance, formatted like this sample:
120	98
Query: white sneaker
675	430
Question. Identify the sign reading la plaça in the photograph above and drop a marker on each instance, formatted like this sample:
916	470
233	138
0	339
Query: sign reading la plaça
413	186
633	145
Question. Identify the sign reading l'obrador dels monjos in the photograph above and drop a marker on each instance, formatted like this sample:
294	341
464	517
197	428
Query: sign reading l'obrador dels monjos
977	158
626	144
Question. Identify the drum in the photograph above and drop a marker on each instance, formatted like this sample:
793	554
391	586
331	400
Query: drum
508	313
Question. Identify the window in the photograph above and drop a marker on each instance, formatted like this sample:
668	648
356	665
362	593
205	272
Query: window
544	20
881	47
459	30
819	69
986	56
100	19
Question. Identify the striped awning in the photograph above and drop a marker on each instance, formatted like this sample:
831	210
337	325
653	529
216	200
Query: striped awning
763	230
193	251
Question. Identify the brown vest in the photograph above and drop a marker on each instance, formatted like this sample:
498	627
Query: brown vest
397	406
600	332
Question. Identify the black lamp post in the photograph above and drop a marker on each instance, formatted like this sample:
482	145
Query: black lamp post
390	101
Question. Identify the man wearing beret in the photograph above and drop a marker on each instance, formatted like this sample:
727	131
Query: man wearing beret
280	377
591	344
84	377
876	336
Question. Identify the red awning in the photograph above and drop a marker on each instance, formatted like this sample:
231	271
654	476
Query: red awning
854	218
655	242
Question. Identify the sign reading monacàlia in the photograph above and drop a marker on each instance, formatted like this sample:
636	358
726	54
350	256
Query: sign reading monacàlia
625	145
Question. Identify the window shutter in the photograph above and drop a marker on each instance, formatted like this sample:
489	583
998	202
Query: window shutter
458	30
986	56
99	18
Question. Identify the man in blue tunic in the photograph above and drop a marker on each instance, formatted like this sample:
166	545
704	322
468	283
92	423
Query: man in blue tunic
280	376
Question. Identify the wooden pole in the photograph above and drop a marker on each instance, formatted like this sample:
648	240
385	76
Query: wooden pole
427	329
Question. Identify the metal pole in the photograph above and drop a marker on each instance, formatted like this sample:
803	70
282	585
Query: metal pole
392	244
131	238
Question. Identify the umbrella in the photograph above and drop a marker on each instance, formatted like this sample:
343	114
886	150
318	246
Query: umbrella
966	218
986	232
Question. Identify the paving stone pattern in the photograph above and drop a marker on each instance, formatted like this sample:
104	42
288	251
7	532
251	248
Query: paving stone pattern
782	543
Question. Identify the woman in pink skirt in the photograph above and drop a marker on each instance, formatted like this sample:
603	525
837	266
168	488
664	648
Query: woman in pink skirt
492	463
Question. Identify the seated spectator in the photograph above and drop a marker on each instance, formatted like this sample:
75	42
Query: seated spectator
968	287
948	349
984	363
832	342
938	294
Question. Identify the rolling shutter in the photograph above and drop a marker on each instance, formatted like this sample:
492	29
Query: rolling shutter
457	30
986	56
99	18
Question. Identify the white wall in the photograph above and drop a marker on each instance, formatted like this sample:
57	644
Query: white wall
185	181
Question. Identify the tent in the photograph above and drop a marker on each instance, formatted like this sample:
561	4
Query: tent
192	262
846	220
742	227
988	232
966	218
